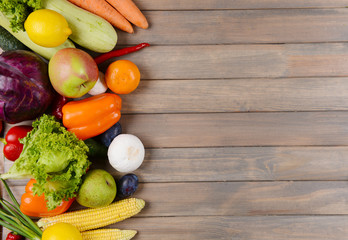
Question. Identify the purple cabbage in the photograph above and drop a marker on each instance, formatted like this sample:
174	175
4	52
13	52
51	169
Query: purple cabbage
25	89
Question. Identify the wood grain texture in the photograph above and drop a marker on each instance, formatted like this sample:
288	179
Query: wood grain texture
238	95
244	26
241	61
239	228
238	129
235	164
243	164
236	4
240	198
244	198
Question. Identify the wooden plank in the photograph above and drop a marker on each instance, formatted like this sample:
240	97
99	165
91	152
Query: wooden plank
243	164
238	129
241	61
238	95
236	164
239	228
236	4
244	198
243	26
240	198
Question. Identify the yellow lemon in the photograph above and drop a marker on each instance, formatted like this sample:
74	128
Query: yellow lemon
47	28
61	231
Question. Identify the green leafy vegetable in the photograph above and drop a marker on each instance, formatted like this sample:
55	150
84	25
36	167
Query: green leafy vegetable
53	156
17	11
13	219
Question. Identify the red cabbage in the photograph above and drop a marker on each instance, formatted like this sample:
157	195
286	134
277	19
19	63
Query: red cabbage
25	89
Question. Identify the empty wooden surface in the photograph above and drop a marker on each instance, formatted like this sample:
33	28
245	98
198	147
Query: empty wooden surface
244	26
242	108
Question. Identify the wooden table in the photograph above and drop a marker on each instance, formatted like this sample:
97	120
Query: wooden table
243	109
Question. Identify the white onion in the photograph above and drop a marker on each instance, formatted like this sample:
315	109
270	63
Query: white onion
126	153
100	86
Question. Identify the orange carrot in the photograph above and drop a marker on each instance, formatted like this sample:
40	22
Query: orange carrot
106	11
130	11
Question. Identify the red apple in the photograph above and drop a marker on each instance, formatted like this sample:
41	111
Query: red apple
73	72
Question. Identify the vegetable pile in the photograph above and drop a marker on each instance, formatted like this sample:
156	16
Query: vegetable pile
44	25
74	109
54	157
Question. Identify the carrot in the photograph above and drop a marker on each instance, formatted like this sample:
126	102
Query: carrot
106	11
130	11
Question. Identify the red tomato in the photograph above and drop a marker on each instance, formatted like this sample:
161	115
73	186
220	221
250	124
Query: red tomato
13	147
14	236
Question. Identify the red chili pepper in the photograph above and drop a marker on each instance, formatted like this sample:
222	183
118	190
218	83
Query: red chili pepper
14	236
13	147
57	106
119	52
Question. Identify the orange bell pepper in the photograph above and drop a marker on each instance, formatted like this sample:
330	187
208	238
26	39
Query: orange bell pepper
92	116
35	206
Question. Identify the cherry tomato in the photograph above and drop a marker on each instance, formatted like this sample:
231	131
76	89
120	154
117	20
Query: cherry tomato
122	76
13	147
14	236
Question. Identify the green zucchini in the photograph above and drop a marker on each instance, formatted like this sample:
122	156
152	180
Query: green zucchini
9	42
96	149
24	38
88	30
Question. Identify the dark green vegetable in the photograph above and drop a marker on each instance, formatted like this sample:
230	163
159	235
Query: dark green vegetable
9	42
96	149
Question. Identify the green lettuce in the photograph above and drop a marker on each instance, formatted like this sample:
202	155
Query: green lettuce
17	11
54	157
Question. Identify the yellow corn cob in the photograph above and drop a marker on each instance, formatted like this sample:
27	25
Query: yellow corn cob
108	234
92	218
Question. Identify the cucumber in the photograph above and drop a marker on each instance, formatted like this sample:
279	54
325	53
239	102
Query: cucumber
9	42
24	38
88	30
96	149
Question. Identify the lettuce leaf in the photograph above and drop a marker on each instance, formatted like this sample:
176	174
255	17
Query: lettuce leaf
54	157
17	11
